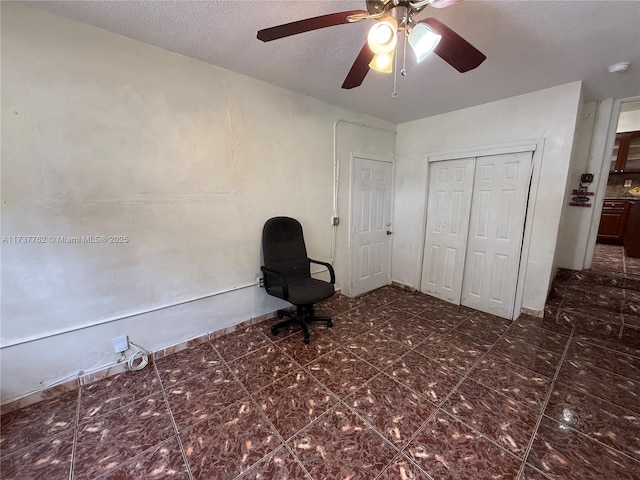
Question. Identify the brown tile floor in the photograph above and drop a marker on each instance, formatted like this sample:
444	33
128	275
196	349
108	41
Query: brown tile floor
603	302
403	386
613	258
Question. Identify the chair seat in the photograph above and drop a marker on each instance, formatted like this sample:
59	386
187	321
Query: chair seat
305	291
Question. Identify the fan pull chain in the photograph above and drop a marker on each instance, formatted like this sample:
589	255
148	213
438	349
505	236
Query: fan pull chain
394	94
403	72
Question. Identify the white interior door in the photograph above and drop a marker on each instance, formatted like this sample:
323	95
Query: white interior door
370	225
500	192
448	207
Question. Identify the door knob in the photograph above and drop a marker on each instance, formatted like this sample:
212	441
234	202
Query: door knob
389	232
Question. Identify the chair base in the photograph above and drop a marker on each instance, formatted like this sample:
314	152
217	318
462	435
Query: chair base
303	315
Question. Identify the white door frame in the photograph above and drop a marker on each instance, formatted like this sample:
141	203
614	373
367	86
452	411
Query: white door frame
375	158
536	146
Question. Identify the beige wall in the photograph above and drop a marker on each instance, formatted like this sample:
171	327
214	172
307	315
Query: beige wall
106	136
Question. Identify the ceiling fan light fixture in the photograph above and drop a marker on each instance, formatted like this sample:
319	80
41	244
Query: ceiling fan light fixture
382	62
383	36
423	41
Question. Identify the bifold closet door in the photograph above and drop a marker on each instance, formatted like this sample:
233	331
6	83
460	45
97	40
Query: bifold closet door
448	208
496	227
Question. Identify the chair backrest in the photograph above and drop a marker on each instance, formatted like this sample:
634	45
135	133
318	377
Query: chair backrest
283	248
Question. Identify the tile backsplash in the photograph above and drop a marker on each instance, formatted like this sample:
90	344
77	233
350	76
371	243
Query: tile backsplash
615	185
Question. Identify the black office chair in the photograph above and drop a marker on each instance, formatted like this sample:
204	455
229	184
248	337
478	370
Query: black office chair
287	273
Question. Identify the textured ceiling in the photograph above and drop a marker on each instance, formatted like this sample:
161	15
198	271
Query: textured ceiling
530	45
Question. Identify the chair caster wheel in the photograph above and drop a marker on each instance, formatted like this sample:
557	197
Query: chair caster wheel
274	331
306	340
329	324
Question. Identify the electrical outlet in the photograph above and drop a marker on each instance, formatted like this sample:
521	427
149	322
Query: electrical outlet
627	183
120	344
261	282
335	221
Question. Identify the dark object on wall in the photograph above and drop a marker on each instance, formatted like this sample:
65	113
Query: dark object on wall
287	274
581	197
586	178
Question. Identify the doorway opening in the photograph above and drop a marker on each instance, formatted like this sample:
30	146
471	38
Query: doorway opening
617	248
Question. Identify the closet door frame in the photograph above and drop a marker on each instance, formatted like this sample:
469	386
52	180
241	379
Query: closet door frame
536	146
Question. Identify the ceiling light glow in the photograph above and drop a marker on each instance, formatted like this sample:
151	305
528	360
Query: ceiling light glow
383	36
423	41
382	62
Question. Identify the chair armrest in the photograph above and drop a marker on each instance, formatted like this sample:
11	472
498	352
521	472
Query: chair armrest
281	281
329	267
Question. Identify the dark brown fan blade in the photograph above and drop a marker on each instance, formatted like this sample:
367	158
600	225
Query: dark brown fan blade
359	69
306	25
454	49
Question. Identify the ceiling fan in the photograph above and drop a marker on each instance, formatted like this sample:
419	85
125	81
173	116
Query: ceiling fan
393	17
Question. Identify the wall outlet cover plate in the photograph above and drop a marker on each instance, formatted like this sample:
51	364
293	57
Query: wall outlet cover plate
120	344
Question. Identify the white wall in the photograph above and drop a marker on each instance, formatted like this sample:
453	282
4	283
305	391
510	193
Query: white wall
576	221
103	135
549	114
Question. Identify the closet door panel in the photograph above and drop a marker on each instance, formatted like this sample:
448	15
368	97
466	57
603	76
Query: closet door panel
496	226
448	208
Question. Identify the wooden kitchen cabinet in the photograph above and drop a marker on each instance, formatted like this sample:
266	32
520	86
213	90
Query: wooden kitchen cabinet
613	221
632	231
626	153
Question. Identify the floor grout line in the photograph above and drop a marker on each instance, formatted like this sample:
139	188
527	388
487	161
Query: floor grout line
380	372
465	377
75	434
544	406
594	439
439	405
173	422
264	415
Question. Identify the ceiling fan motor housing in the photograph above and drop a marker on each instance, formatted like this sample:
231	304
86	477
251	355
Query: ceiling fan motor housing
375	6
